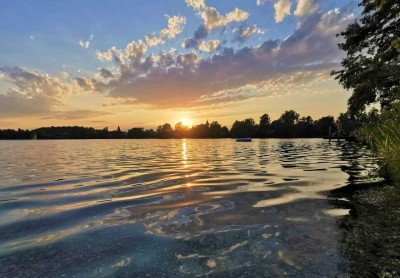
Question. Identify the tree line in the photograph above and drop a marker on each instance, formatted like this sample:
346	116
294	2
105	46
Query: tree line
288	125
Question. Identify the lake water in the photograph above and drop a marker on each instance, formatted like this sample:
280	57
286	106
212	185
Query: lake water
176	208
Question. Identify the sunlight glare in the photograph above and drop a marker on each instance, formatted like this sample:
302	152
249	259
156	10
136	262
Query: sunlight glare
185	122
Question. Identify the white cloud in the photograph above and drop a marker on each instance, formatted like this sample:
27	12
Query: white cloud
107	55
282	9
135	50
213	19
86	44
209	46
306	7
174	28
196	4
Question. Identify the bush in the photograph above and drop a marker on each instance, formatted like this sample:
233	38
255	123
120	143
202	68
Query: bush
384	136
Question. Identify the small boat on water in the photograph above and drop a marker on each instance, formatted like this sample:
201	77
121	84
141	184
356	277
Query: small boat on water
248	139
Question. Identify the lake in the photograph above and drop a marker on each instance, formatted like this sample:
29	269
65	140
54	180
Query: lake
183	208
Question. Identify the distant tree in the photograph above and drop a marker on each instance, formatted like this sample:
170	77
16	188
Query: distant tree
137	133
217	131
372	65
104	133
181	131
305	127
285	125
200	131
165	131
289	117
264	126
322	126
246	128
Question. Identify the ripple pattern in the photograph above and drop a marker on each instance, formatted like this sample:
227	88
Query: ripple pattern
174	208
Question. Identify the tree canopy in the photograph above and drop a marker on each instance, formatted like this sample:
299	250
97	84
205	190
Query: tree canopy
372	65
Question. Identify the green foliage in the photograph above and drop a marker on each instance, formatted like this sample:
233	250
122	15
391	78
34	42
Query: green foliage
372	65
384	136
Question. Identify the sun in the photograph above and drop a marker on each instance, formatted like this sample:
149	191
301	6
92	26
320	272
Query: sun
185	122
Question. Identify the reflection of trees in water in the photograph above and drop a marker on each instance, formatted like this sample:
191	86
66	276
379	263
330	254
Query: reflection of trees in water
371	235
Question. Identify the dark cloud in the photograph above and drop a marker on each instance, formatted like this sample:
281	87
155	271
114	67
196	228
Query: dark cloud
244	32
200	34
105	73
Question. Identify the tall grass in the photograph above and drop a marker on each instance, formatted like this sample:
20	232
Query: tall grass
384	136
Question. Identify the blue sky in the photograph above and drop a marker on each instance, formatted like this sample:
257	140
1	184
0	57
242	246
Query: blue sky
58	60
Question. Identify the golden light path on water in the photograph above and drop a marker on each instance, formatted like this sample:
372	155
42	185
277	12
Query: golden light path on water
174	208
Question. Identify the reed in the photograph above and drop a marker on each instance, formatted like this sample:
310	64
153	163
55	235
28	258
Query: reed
384	136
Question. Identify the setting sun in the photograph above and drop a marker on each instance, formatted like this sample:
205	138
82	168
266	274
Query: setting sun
185	122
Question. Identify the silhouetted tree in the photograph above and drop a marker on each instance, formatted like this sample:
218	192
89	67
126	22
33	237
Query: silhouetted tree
165	131
264	126
322	126
305	127
181	131
285	125
372	65
217	131
137	132
246	128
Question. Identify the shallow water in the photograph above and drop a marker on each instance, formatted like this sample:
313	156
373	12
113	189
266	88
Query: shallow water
176	208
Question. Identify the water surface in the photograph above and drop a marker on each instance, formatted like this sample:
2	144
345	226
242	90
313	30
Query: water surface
176	208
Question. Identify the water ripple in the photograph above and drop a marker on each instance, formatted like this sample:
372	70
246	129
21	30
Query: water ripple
174	207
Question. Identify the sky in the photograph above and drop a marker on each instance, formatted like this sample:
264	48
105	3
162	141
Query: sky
142	63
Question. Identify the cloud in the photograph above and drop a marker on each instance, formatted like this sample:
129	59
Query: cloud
135	51
196	4
33	92
75	114
209	46
64	75
182	80
212	18
200	34
175	27
17	104
84	44
282	9
105	73
33	83
120	102
306	7
244	32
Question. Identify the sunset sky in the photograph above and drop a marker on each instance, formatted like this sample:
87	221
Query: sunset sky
104	63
